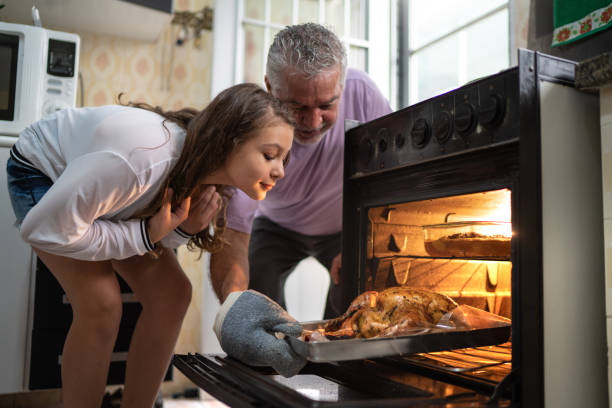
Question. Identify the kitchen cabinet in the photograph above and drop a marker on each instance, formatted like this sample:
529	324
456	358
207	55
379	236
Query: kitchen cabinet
15	275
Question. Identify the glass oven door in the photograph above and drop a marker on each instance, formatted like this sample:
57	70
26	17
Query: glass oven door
359	383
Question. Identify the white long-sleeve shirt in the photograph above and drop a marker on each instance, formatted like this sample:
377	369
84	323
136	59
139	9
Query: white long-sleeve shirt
106	164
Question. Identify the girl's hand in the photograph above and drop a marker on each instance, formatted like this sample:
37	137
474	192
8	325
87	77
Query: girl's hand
166	220
204	208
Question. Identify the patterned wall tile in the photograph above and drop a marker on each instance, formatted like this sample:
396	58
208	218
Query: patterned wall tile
521	22
159	73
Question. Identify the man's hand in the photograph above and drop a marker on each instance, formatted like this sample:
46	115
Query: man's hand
166	219
334	271
246	325
204	207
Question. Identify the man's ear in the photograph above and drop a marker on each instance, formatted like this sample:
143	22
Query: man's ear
268	86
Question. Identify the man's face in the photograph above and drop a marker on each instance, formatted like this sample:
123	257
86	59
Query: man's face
313	101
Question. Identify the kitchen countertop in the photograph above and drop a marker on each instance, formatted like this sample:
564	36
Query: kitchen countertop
594	73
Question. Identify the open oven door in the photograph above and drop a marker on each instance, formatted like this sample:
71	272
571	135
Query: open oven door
360	383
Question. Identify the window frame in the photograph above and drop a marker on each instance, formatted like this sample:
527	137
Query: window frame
228	42
405	76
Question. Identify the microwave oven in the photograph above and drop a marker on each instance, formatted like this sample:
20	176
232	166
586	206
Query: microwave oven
38	74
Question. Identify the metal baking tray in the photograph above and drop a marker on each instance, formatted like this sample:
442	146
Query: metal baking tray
427	341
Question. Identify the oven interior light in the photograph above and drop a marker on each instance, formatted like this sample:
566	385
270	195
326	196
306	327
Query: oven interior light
501	210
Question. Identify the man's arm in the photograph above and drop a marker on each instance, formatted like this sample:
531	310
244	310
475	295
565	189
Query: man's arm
229	268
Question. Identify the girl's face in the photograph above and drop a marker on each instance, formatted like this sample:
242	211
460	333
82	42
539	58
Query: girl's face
257	164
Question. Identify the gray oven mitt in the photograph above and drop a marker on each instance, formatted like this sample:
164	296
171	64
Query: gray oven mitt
246	325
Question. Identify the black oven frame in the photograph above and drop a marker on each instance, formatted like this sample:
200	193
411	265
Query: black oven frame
515	164
513	161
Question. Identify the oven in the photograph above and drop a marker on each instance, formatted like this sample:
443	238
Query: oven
489	194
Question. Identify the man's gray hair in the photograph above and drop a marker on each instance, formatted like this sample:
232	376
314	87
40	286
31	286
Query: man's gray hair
310	48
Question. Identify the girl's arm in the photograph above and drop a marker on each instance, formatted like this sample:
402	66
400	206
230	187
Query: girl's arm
67	220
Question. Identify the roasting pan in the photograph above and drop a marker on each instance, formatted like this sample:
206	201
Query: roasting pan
425	341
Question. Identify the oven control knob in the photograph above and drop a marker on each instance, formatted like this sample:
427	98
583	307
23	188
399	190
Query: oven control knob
366	150
400	140
382	145
464	118
442	126
420	133
382	136
491	111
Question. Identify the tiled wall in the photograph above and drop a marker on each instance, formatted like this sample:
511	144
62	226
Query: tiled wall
158	73
605	96
520	21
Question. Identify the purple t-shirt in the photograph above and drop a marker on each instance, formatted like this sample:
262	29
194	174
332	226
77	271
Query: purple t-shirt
308	199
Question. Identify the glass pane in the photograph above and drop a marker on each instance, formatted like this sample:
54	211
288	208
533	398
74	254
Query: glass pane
358	58
280	11
433	18
255	9
334	16
434	70
253	53
359	19
487	46
7	63
308	11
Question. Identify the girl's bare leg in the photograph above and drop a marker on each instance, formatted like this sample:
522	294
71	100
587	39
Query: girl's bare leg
164	291
93	292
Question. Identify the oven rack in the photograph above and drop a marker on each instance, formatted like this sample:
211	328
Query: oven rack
470	360
478	368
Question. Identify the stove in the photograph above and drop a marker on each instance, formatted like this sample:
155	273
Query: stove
489	194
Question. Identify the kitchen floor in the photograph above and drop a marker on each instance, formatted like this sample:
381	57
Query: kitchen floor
52	399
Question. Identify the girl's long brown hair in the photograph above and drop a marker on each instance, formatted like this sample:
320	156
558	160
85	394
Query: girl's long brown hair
211	135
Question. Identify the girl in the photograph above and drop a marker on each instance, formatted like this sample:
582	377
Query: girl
96	189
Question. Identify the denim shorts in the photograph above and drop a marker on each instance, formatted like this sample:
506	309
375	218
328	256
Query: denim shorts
26	186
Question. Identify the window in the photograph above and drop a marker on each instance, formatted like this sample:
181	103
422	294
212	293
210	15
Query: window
262	19
362	25
450	43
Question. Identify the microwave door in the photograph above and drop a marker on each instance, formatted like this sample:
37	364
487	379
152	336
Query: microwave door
9	51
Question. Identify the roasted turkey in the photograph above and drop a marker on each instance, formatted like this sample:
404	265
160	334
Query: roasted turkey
376	314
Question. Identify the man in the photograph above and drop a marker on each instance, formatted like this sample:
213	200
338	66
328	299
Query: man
302	215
